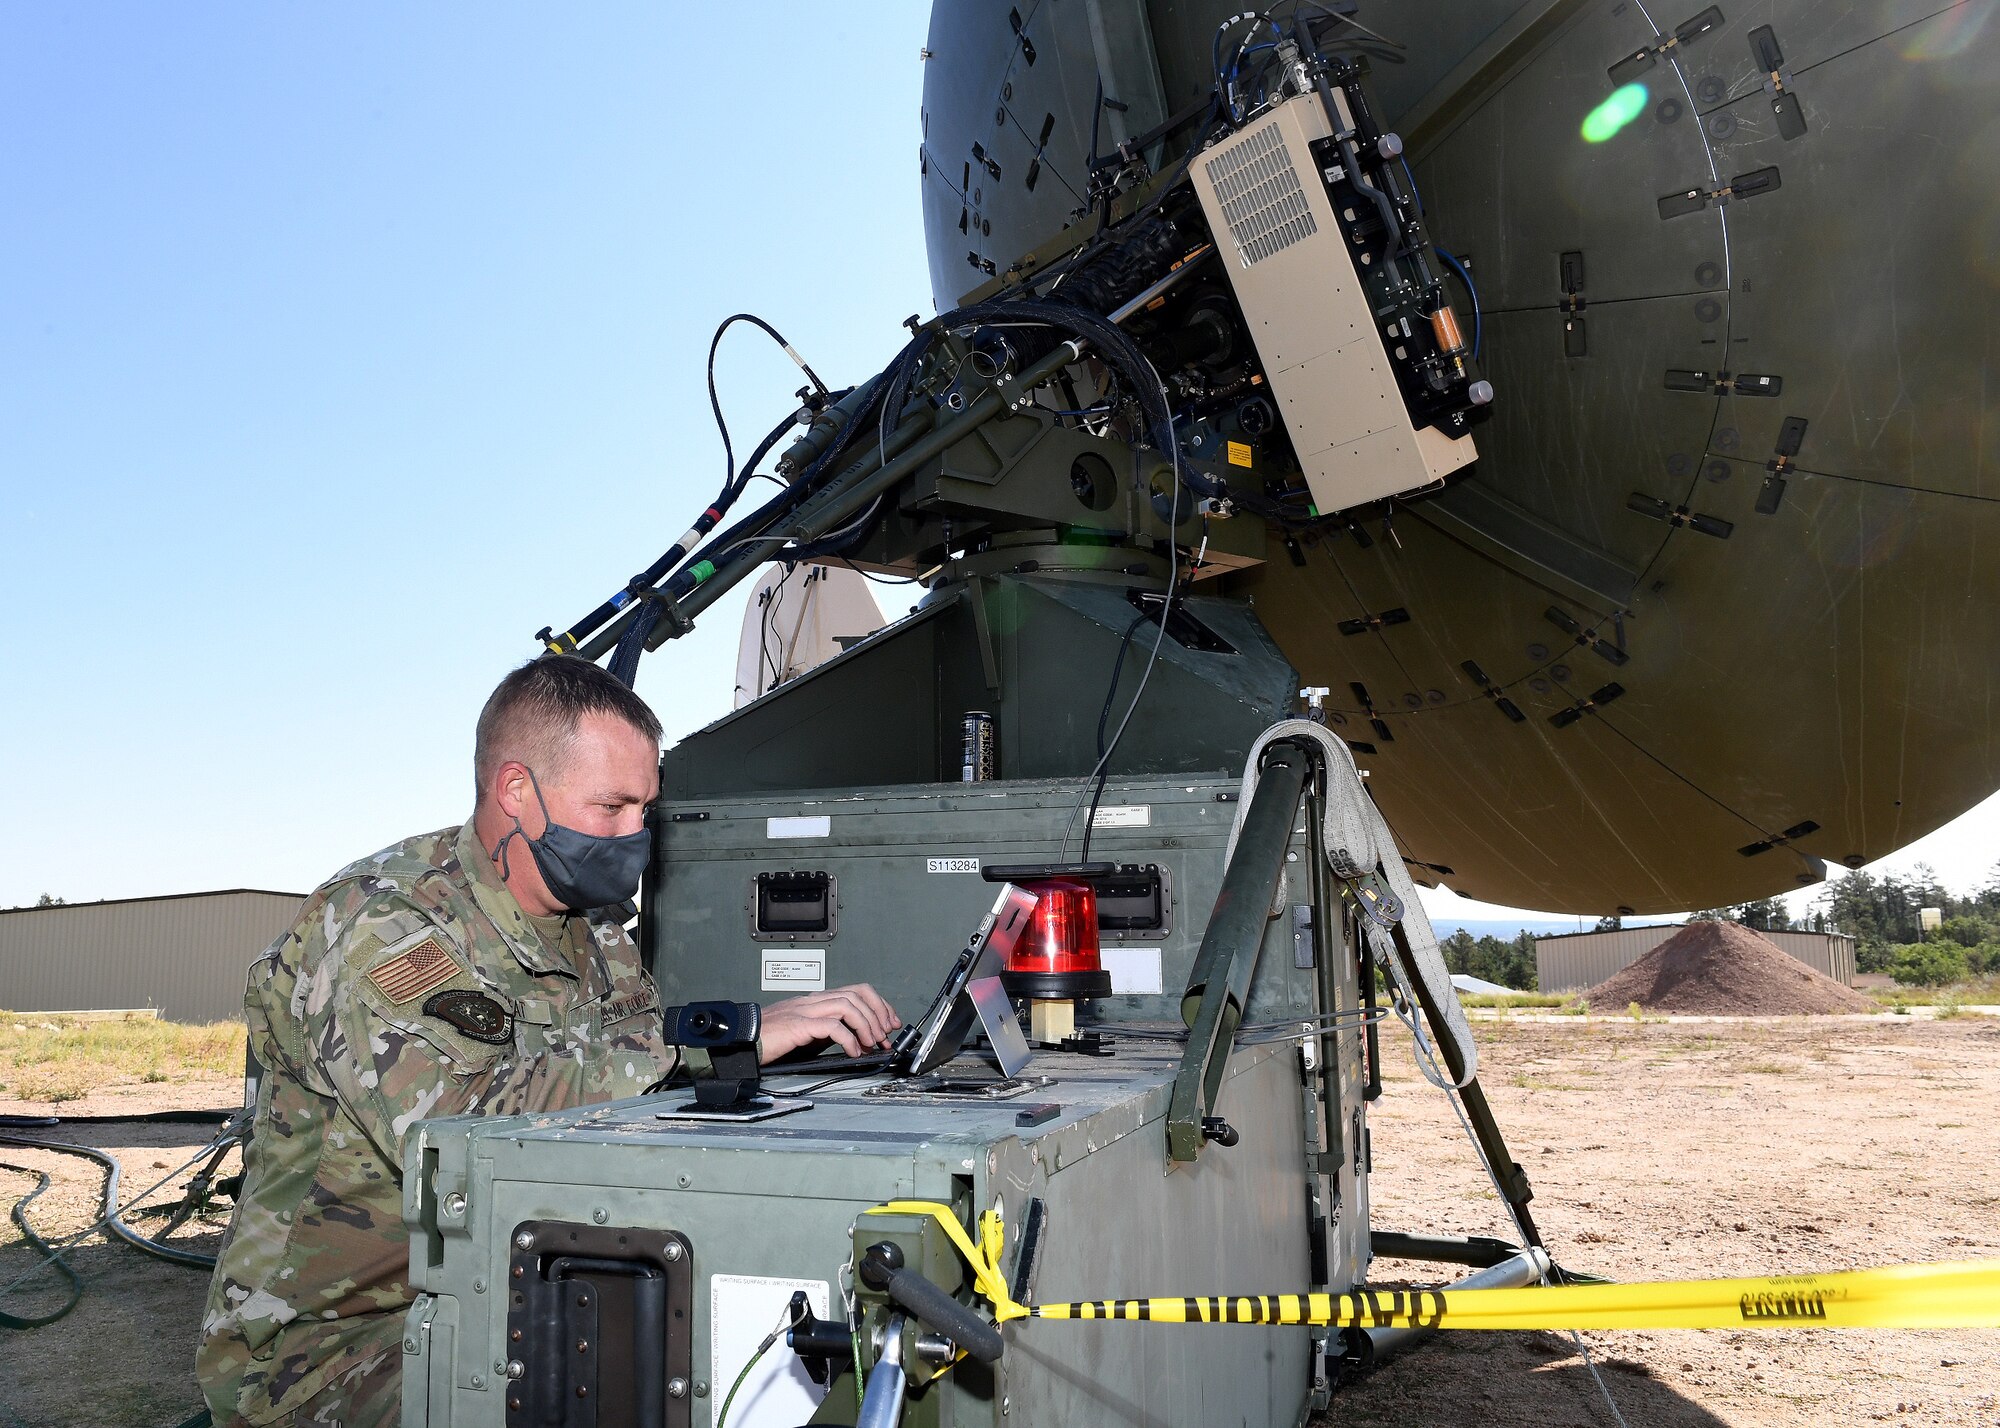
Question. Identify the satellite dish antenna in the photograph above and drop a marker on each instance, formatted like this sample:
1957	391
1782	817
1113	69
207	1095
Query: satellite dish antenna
797	620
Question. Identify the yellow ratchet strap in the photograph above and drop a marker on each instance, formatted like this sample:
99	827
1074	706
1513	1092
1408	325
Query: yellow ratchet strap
984	1258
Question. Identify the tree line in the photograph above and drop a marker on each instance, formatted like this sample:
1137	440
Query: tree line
1511	964
1883	913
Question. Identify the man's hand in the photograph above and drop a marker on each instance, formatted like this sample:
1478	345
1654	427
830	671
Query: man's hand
855	1017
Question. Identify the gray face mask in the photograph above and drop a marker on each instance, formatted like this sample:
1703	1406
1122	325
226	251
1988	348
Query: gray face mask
582	871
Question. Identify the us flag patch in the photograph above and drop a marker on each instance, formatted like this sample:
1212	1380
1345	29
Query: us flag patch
408	975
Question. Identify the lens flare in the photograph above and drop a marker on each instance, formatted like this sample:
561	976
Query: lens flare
1615	113
1948	34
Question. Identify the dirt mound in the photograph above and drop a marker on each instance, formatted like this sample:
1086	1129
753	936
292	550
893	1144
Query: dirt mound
1724	969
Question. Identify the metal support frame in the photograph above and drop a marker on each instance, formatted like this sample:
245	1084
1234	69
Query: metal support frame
1329	915
846	494
1507	1172
898	454
1220	981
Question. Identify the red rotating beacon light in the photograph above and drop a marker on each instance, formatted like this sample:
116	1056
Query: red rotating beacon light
1056	958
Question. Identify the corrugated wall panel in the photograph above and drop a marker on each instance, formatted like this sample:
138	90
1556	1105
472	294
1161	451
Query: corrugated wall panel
1582	960
183	955
1570	964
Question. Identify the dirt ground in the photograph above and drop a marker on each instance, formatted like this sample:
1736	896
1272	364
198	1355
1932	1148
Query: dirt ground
1665	1150
125	1355
1657	1150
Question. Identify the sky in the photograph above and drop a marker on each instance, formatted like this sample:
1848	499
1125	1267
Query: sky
343	348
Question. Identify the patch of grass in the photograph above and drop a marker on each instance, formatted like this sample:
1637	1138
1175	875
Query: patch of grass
1579	1007
1771	1068
50	1057
1947	1007
1978	989
1509	999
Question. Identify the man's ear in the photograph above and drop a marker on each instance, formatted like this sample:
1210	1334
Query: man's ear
513	793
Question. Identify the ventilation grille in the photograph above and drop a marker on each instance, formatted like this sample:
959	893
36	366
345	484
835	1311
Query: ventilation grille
1260	196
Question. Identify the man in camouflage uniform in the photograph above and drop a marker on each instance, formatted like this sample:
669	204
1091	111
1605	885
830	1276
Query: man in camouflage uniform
451	974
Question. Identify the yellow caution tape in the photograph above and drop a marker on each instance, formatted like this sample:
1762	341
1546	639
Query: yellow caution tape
1917	1296
1965	1294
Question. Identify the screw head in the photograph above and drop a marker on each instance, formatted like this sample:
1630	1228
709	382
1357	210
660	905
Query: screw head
515	1368
409	1346
478	1286
677	1388
685	1181
454	1204
479	1380
599	1215
673	1251
524	1240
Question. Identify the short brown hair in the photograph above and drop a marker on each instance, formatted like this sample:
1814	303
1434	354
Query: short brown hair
533	714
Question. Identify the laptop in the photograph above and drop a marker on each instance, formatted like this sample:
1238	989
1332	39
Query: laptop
966	999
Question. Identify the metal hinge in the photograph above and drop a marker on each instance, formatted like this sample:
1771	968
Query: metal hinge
1753	184
1663	46
1785	106
1791	436
1724	384
1563	718
1673	515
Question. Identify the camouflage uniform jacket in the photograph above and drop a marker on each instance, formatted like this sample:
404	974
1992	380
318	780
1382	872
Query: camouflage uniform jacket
412	986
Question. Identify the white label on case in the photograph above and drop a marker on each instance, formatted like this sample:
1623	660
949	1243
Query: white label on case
817	826
777	1392
1135	971
796	969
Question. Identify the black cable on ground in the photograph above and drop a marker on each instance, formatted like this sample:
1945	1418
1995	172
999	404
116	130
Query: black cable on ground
202	1118
35	1242
113	1220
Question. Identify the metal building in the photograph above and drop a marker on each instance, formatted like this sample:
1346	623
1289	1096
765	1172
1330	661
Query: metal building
184	955
1571	962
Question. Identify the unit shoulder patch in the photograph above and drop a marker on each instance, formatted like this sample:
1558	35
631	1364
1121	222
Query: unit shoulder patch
474	1013
414	971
